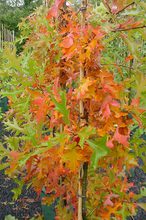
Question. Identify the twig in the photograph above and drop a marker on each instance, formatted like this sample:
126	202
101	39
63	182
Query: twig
90	213
128	29
110	10
112	64
107	5
132	3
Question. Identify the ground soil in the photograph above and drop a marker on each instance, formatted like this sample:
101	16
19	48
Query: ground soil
28	205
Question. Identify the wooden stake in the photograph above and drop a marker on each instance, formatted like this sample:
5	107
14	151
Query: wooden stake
82	189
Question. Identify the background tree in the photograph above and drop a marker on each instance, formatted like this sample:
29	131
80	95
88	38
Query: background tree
12	12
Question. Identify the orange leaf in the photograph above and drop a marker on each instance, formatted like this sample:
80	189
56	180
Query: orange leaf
14	155
130	57
53	12
67	42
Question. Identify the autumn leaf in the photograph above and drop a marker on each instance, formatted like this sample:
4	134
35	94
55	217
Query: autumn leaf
108	201
14	155
39	107
53	12
86	88
73	159
128	58
67	42
120	136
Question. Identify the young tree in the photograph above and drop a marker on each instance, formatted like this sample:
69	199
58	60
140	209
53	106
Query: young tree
70	118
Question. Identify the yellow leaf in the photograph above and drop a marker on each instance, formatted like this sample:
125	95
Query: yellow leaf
72	158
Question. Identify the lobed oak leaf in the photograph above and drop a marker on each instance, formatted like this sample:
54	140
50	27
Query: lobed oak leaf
135	102
99	150
59	3
39	106
108	201
110	143
53	12
121	136
128	58
105	110
14	154
67	42
86	88
73	159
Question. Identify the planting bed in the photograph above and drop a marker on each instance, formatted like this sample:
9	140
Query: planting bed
28	205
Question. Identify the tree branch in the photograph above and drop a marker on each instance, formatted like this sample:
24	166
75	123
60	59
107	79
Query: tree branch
128	29
114	64
132	3
105	2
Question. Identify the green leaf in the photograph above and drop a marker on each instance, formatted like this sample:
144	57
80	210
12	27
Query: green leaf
17	191
124	212
61	106
85	133
133	47
142	193
10	217
99	150
142	205
13	60
13	125
3	166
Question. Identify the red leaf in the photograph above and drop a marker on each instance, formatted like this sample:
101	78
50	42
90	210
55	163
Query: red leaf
110	143
105	109
135	102
67	42
108	201
106	112
53	12
121	136
115	103
14	155
59	3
